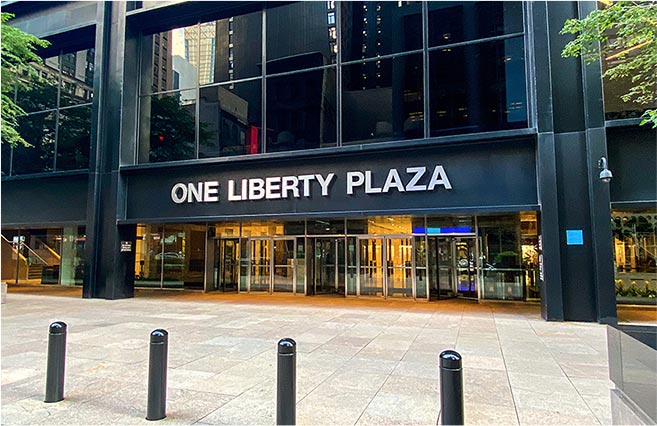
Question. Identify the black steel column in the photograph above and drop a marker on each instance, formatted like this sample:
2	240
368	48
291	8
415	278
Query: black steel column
109	266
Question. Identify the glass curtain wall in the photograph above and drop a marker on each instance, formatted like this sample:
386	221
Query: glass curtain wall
435	257
57	100
43	256
170	256
635	254
348	73
201	93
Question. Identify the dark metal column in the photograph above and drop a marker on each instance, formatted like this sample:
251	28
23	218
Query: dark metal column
109	271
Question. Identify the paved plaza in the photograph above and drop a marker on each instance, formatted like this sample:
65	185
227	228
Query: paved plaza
359	361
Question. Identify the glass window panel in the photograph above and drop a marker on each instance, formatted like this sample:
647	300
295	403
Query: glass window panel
437	225
390	225
230	119
478	88
73	138
301	110
298	36
455	22
172	59
325	226
371	29
231	48
615	107
383	100
297	227
77	77
6	158
635	255
39	131
501	256
227	229
149	257
262	229
39	91
357	226
171	132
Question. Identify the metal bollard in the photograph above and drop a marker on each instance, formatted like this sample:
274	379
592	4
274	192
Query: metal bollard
451	388
157	375
286	384
55	367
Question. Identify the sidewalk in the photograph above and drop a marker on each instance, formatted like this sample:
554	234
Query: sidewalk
359	362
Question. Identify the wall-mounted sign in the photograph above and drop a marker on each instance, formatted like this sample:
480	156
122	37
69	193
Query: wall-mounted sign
574	237
126	246
410	179
419	180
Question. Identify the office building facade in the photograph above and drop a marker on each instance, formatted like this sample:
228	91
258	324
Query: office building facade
399	150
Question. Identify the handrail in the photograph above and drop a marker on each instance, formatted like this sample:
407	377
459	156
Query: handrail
28	249
50	249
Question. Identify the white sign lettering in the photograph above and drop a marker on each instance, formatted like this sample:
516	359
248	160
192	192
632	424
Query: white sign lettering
410	179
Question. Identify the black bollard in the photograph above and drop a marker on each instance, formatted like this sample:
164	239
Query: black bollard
56	362
286	385
157	375
451	388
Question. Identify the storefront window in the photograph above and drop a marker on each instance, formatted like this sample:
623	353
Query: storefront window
170	256
509	256
43	256
635	253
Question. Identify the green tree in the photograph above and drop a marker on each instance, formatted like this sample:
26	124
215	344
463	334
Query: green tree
626	33
18	57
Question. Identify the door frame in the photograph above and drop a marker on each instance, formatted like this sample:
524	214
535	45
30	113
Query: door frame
384	255
272	241
219	243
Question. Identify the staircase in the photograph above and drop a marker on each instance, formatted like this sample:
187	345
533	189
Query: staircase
34	272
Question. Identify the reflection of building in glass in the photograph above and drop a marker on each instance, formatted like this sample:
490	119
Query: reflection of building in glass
78	74
226	117
162	62
199	45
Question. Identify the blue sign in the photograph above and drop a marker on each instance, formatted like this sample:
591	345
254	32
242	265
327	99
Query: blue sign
574	237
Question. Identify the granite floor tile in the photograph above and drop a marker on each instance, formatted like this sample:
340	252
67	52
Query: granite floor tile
485	414
358	361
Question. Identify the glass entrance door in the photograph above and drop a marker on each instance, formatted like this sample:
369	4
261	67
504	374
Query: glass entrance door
399	265
465	265
260	270
324	270
452	267
284	265
371	267
227	265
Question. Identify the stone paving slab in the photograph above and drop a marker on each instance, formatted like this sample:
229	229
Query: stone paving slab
359	362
